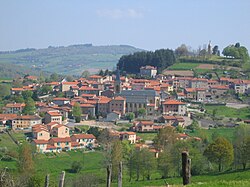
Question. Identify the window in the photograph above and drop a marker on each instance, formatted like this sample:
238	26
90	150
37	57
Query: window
58	143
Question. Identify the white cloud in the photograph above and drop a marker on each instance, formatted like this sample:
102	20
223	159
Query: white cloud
120	13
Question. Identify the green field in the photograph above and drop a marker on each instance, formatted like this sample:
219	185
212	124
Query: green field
183	66
147	136
224	132
224	111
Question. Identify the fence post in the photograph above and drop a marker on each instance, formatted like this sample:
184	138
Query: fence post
186	168
46	181
61	182
120	175
109	171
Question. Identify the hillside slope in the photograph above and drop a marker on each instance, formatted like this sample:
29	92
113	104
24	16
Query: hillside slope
72	59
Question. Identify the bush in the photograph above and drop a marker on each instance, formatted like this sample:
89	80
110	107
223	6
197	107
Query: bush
76	167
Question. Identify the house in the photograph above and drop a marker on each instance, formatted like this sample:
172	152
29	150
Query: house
6	119
88	90
84	140
40	132
218	90
41	145
60	131
148	71
172	120
88	109
60	101
53	116
144	126
174	107
61	143
14	108
129	136
96	78
25	122
118	104
113	116
65	86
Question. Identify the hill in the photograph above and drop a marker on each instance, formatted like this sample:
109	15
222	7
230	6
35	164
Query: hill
73	59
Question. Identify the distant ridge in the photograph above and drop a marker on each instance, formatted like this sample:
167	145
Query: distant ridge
72	59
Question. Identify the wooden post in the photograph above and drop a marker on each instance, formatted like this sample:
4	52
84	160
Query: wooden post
120	175
109	171
186	168
46	184
61	182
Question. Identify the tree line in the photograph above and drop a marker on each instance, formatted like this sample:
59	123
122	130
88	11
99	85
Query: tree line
160	58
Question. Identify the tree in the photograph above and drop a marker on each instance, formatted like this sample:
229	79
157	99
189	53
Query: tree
4	90
165	163
29	108
69	78
116	157
236	51
45	89
216	50
101	73
25	160
76	167
85	74
220	152
77	112
182	50
166	138
142	112
130	116
95	131
18	99
54	77
148	163
27	94
242	145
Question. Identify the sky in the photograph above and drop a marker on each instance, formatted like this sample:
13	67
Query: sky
146	24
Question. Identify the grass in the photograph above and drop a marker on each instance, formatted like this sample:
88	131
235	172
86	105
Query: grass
225	111
183	66
224	132
147	135
6	141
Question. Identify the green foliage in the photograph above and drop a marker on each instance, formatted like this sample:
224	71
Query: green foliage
76	167
130	116
85	74
236	51
45	89
4	90
182	50
220	152
77	112
29	108
27	94
35	181
142	112
179	129
194	126
116	157
95	131
25	159
242	145
160	58
166	138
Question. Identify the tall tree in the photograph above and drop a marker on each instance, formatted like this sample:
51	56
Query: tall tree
25	159
182	50
242	145
85	74
116	158
29	106
166	138
27	94
220	152
77	112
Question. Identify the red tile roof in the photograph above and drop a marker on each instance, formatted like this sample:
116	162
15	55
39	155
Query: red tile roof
84	136
67	139
173	102
41	141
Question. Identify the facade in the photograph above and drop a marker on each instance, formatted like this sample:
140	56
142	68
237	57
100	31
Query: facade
14	108
65	86
128	136
113	116
144	126
53	116
174	107
148	71
60	101
25	122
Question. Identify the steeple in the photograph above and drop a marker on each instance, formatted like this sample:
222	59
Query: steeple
117	86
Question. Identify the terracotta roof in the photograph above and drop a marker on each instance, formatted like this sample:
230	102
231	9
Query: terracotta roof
50	147
60	99
88	88
119	98
7	116
219	87
41	141
84	136
95	77
146	122
173	102
58	126
17	89
54	113
129	133
87	105
67	139
70	83
15	105
28	117
52	123
75	144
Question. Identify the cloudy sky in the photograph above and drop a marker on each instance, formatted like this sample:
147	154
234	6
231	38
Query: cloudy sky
147	24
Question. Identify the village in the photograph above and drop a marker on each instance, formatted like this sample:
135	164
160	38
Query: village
148	103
